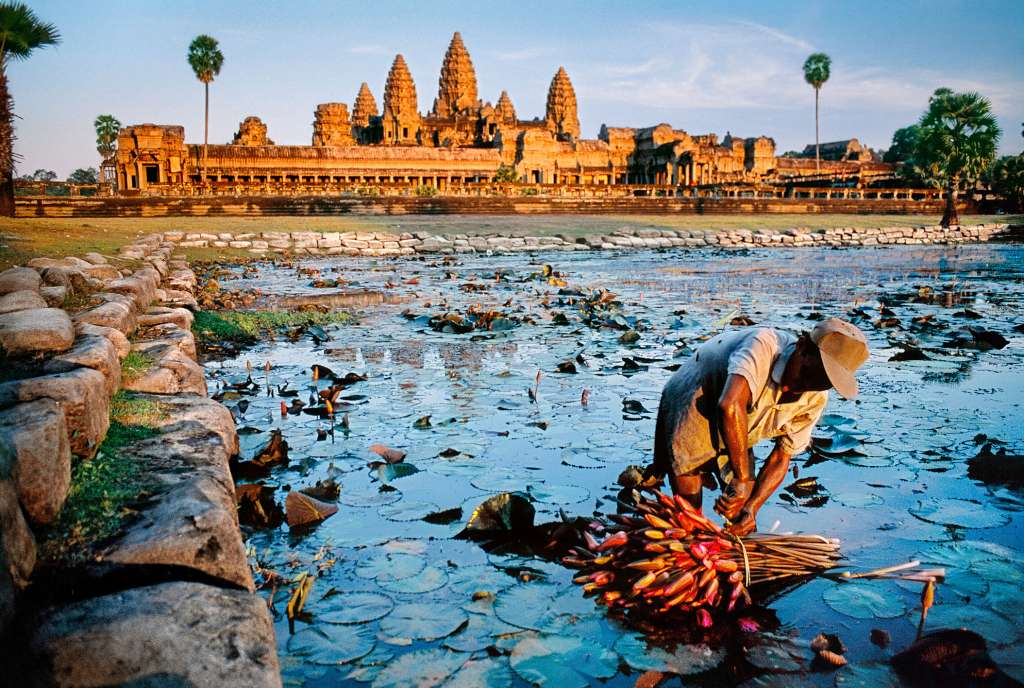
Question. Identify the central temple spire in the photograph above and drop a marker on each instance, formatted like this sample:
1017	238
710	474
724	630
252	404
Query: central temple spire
561	110
456	93
401	117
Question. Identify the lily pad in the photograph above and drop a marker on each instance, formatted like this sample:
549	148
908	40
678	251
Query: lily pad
861	601
408	511
558	494
580	457
683	660
778	653
562	661
998	629
369	497
422	621
490	672
356	608
385	566
387	472
423	668
332	644
964	513
429	579
875	675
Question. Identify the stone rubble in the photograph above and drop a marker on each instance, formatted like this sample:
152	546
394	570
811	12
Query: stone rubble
378	244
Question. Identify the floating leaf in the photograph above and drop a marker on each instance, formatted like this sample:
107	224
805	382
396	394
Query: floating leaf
422	621
370	497
429	579
684	660
994	626
423	669
561	661
509	512
490	672
383	565
965	513
558	494
420	424
862	601
355	608
387	453
386	472
299	595
303	510
408	511
332	644
778	653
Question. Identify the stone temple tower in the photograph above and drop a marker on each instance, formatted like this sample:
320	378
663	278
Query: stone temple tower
456	94
505	111
401	118
364	108
561	113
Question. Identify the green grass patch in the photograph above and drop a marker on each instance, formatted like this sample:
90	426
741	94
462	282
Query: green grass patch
104	489
245	327
135	365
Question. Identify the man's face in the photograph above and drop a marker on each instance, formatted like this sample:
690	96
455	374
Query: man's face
808	373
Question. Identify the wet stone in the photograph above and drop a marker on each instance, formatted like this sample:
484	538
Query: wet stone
180	634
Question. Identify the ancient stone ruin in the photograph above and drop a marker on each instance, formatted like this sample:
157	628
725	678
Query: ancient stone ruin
251	132
331	125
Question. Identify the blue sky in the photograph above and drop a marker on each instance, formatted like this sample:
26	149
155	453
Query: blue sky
703	67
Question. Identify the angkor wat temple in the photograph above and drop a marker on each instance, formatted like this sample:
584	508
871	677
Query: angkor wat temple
461	141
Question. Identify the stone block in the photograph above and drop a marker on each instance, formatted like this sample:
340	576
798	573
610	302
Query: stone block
260	245
90	351
196	243
113	314
329	243
121	344
240	244
35	331
82	396
166	333
280	243
17	552
412	243
306	236
158	315
21	301
36	457
19	279
172	372
172	634
219	244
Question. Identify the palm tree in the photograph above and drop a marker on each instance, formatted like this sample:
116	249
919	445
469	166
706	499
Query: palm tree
817	69
21	32
206	59
107	128
957	142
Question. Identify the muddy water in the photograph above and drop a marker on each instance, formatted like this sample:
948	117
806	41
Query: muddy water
899	492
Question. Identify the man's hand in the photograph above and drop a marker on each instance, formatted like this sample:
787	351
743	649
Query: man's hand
746	524
731	503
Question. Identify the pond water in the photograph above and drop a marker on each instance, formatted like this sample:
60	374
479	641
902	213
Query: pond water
394	599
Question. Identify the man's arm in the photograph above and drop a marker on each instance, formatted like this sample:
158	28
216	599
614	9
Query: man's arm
732	406
768	480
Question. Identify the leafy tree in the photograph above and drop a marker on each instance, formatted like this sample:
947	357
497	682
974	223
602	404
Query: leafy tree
42	175
903	142
506	174
1006	177
958	137
107	128
206	59
21	32
84	175
817	70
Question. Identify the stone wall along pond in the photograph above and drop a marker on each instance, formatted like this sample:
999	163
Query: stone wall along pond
170	593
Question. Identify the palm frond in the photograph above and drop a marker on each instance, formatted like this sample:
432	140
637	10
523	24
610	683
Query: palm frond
21	31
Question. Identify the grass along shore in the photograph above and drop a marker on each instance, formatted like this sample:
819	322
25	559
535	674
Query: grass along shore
25	238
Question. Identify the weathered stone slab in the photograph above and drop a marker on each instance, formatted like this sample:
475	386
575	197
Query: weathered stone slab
118	316
36	331
37	455
166	333
17	552
19	279
191	519
177	298
21	301
90	351
82	396
120	342
173	634
159	315
172	371
54	296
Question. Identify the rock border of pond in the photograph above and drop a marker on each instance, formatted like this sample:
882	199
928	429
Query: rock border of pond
170	593
376	244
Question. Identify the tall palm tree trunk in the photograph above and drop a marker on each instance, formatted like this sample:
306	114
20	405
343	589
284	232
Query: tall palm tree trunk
206	128
951	217
817	146
6	147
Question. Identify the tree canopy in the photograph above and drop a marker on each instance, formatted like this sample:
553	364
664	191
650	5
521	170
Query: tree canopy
1006	176
43	175
205	57
957	138
817	69
107	128
903	143
84	175
21	31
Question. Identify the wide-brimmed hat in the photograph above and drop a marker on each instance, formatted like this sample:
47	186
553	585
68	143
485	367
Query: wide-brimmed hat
844	348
